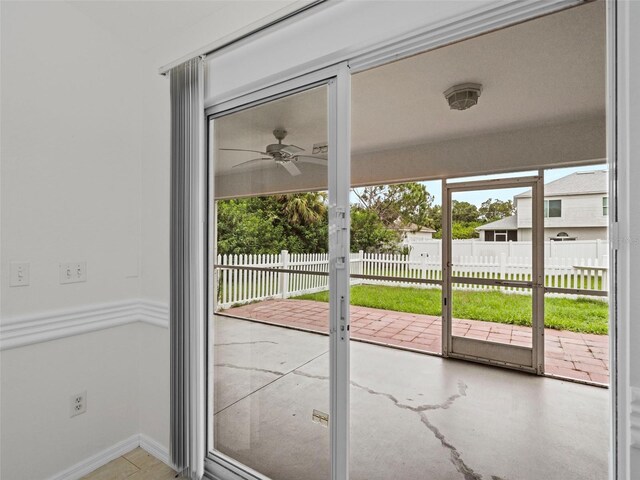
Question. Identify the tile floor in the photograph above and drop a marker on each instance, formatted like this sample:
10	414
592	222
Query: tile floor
572	355
135	465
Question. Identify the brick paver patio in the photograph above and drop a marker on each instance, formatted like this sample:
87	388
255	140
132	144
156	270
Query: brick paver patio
578	356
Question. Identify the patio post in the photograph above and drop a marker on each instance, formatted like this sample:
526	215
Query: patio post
284	277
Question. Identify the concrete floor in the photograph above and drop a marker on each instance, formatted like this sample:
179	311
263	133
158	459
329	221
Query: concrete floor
413	416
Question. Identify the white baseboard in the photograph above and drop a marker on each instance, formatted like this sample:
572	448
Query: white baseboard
156	449
42	327
87	466
96	461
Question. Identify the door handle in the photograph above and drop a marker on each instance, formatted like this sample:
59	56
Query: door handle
344	327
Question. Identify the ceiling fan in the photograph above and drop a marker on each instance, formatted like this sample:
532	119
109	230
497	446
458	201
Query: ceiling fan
287	156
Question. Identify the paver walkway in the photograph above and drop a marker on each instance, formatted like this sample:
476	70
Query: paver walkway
579	356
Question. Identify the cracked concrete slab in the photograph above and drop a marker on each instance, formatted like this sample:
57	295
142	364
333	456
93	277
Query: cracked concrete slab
248	356
412	416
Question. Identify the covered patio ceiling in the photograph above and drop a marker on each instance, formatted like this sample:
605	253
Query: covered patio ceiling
536	110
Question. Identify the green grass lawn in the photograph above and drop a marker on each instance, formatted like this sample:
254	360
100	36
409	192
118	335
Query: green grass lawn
576	315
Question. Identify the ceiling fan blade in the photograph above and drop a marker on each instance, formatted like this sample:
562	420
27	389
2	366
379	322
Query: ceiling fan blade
291	149
310	159
291	168
242	150
255	160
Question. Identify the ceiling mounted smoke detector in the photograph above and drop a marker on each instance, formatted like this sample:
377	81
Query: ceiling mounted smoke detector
463	96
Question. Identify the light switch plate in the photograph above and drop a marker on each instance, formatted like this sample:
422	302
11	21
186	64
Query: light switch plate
73	272
19	274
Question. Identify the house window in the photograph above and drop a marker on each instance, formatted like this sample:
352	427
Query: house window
562	237
605	206
501	235
552	208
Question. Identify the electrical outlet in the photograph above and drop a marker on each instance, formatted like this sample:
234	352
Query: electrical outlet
19	274
73	272
78	404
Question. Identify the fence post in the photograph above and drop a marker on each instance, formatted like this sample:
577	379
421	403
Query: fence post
423	266
284	277
503	266
360	265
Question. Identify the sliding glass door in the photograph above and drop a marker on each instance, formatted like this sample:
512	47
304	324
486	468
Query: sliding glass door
278	231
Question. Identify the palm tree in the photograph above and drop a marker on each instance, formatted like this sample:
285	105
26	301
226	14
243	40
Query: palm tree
303	208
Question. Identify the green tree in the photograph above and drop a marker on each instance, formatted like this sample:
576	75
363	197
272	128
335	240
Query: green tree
435	218
245	226
464	212
303	208
492	210
463	230
259	225
397	205
369	234
464	220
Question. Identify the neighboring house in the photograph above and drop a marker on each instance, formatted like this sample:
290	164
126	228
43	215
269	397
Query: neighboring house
575	208
412	234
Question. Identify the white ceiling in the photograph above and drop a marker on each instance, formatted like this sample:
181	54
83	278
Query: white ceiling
145	24
543	72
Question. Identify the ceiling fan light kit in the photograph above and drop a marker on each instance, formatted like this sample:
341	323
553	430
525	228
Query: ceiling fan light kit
463	96
319	148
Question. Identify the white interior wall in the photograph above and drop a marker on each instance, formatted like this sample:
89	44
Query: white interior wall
38	437
85	176
71	126
71	145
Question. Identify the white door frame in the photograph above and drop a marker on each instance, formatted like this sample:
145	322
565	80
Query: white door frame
338	82
530	359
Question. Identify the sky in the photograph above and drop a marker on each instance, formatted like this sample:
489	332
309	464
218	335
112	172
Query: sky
476	198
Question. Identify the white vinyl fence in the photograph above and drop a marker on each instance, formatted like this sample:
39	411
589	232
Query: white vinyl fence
237	286
595	250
